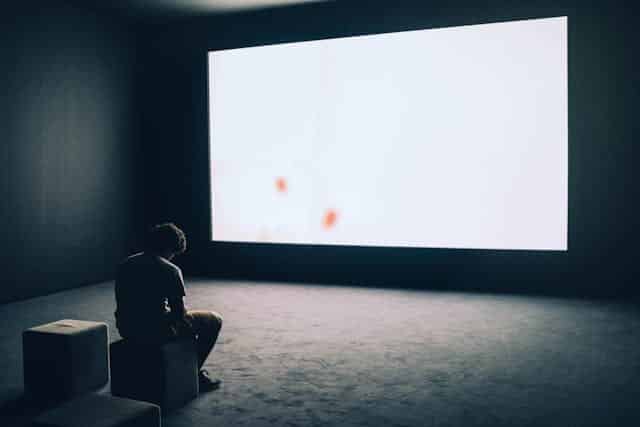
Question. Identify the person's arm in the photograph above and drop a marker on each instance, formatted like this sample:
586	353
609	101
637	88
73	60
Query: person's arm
176	298
178	311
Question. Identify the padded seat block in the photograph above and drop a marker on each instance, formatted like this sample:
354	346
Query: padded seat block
164	374
101	410
65	358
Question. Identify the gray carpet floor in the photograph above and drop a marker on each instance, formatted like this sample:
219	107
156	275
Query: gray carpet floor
302	355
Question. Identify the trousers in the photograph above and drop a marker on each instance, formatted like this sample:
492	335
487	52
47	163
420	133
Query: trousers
205	326
201	325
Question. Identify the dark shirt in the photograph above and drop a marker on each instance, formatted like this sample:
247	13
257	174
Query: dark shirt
149	291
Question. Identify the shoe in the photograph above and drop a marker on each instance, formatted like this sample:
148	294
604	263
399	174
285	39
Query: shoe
206	382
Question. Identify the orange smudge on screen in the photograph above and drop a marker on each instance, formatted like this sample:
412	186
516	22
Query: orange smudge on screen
330	218
281	185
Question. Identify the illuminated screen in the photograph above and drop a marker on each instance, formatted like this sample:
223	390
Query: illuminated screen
441	138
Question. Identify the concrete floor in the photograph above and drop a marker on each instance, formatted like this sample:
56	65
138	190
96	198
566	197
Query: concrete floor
302	355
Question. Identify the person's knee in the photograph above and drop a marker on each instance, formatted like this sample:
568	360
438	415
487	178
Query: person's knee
216	319
205	320
209	319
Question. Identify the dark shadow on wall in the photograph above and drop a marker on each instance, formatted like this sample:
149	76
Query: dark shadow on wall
69	146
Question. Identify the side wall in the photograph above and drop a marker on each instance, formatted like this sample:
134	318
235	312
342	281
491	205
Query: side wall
603	206
68	147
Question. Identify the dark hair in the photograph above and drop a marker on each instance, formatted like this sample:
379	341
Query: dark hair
165	238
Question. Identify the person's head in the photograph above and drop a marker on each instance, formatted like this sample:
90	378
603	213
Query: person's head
165	240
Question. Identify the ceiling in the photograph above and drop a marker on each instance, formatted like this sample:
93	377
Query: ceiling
150	8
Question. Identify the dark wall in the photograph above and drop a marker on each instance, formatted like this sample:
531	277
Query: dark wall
603	94
68	146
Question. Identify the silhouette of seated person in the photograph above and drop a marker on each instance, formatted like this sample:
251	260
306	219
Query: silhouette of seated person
150	295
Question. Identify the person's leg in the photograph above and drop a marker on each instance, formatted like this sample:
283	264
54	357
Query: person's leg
206	326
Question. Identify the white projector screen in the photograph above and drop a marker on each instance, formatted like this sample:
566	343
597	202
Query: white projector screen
447	138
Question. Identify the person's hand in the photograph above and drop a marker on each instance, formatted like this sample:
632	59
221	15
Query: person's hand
182	327
187	321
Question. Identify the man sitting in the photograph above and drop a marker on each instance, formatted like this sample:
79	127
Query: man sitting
149	299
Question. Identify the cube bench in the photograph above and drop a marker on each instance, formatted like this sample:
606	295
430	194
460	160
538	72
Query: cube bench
101	410
65	358
165	374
